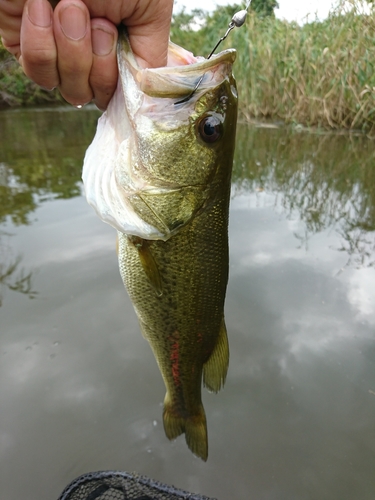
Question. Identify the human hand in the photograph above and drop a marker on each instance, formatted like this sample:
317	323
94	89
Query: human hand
73	47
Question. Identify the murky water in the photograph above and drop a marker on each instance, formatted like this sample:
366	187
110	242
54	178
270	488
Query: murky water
80	390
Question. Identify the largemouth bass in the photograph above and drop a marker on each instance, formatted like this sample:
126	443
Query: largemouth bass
159	171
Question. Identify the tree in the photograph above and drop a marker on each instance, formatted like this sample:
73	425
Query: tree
264	7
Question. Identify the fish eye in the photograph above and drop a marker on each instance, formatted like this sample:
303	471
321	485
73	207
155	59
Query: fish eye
210	128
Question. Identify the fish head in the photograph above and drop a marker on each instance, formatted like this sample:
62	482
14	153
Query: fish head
158	158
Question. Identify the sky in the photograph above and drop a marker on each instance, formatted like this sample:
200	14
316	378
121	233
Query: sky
292	10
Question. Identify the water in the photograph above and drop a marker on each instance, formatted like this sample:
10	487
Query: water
80	390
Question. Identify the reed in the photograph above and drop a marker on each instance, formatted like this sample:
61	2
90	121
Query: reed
319	74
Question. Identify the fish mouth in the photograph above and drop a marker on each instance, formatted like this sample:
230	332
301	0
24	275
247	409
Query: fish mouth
145	98
181	75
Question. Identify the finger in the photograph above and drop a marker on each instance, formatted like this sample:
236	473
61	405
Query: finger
11	18
150	49
38	47
148	24
149	33
74	52
103	76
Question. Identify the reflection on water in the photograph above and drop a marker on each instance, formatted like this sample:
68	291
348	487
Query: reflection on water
40	158
81	390
327	181
12	275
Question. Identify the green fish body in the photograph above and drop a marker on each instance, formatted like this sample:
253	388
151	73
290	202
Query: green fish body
160	172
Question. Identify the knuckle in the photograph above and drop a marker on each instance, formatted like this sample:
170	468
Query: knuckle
103	90
103	85
39	57
73	66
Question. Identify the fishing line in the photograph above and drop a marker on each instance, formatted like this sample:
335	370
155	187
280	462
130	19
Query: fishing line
236	22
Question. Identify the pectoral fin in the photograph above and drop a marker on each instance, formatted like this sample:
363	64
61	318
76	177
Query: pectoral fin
216	367
148	263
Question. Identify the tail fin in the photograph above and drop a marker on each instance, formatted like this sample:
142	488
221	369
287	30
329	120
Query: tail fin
194	427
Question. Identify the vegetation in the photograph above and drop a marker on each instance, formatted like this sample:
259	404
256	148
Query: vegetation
16	89
264	7
319	74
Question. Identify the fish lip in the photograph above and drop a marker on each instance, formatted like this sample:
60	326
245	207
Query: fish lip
178	80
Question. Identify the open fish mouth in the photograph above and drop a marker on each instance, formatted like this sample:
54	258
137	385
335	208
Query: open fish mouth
116	172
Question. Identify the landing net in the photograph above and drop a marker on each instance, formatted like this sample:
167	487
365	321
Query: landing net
115	485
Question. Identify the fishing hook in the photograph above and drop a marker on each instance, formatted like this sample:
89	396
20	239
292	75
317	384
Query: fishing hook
237	20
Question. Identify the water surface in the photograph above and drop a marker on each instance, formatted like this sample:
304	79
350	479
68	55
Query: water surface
80	390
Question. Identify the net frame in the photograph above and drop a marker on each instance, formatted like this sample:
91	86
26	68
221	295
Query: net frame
121	485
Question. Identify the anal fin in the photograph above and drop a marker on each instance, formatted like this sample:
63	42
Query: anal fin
216	367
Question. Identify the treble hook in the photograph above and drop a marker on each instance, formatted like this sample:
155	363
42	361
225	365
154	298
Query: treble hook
237	20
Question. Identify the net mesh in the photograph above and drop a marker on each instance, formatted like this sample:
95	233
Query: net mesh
115	485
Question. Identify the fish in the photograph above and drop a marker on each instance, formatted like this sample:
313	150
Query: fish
159	171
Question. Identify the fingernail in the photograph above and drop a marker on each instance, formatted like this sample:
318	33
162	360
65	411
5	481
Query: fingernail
102	41
73	22
39	13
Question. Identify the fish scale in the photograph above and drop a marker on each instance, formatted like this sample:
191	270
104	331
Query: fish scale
159	171
193	266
